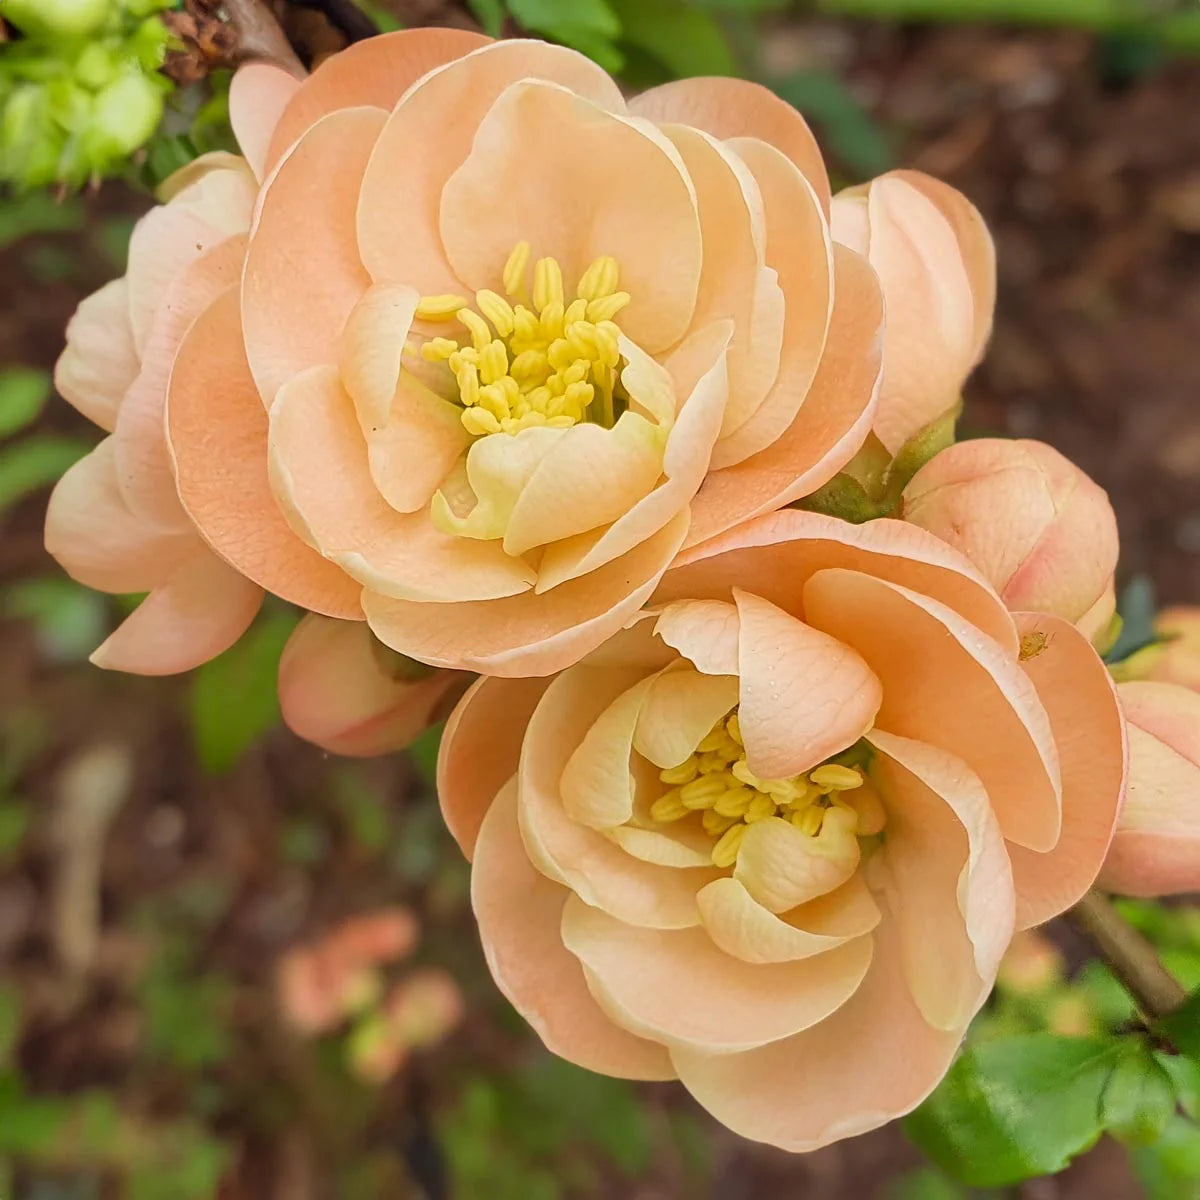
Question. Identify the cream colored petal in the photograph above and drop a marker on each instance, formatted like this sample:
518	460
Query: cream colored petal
681	706
100	360
580	210
782	867
676	987
705	631
372	349
258	95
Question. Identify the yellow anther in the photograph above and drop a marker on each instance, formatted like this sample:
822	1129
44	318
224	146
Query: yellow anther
550	322
478	328
575	311
607	307
733	728
582	337
579	395
493	362
668	808
743	774
599	279
530	364
725	852
714	823
547	284
702	792
493	399
439	308
761	807
560	355
468	383
515	268
607	343
836	777
438	349
480	422
809	821
734	802
497	310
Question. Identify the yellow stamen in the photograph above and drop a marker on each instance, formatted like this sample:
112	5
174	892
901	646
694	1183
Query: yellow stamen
836	777
439	308
515	268
725	852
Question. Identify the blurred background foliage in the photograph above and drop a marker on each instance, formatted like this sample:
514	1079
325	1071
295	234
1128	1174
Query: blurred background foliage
177	872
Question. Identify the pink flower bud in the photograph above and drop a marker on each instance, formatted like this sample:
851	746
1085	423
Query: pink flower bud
343	690
1041	532
1156	850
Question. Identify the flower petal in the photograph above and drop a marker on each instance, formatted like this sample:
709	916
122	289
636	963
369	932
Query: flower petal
398	212
947	684
782	867
200	611
217	431
580	210
1078	694
519	913
258	95
680	707
737	108
100	361
303	274
675	987
705	631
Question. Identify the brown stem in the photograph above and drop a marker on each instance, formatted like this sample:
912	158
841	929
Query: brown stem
345	16
1132	958
259	36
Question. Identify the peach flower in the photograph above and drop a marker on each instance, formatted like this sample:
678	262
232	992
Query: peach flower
1176	659
115	520
937	266
342	689
1041	532
504	343
774	838
1156	850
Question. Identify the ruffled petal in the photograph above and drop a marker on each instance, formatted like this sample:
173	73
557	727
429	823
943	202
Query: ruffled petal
100	361
258	95
705	631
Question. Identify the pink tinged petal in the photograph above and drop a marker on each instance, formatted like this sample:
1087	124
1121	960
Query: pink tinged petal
199	612
597	783
144	471
735	282
374	73
258	96
946	683
530	634
398	212
781	867
217	431
831	425
341	690
873	1060
578	857
774	555
676	987
684	464
744	929
804	695
680	708
303	275
800	251
591	476
100	361
481	746
319	471
946	869
99	540
930	341
580	210
736	108
1077	693
1156	850
519	913
704	631
372	350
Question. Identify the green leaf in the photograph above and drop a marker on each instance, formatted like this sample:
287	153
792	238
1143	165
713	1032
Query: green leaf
34	463
845	498
1185	1075
1014	1108
925	1183
234	698
1137	608
70	620
685	41
928	442
1139	1097
23	394
1170	1169
489	14
10	1022
424	752
1182	1027
589	26
851	132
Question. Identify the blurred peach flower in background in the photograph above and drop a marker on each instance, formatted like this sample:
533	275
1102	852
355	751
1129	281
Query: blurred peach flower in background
1176	657
115	520
774	838
1041	532
342	689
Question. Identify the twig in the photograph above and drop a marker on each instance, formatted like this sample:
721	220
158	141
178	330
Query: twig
1132	958
259	35
345	16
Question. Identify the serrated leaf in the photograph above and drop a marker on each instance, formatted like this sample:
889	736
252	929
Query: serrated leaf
1014	1108
687	42
23	394
1139	1097
234	698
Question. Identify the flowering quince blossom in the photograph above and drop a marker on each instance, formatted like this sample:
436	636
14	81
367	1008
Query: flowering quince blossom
484	348
775	836
1040	531
1156	850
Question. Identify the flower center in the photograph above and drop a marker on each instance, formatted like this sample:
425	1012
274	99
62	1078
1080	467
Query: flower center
715	782
534	360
